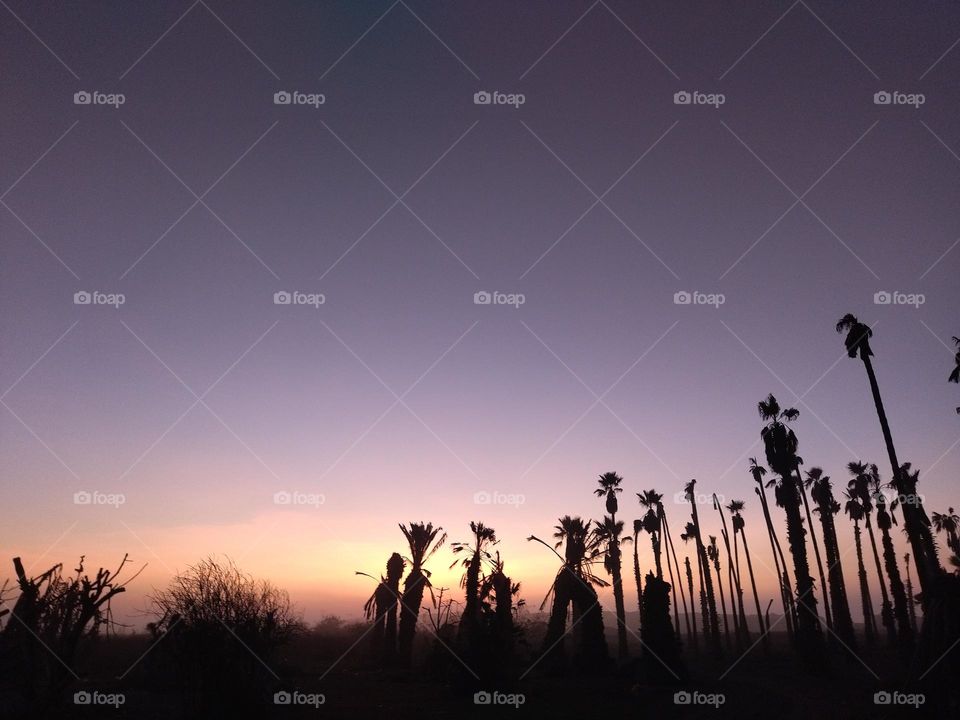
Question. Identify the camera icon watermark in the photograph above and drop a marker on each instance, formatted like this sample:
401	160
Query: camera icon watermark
295	97
499	698
84	697
683	297
295	297
484	497
95	297
495	97
681	498
683	697
95	97
95	497
885	697
895	97
883	297
499	298
695	97
296	697
294	497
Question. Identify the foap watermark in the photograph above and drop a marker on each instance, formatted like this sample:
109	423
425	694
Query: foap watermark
695	97
884	297
95	497
95	97
895	97
295	497
495	97
895	697
295	97
499	698
299	698
86	697
889	498
496	297
498	498
682	297
95	297
295	297
683	697
681	498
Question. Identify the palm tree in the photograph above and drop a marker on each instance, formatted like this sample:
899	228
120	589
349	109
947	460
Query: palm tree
955	375
574	586
651	500
609	484
608	532
915	520
672	552
786	596
693	613
860	484
948	523
424	540
382	609
780	444
827	614
713	554
637	577
736	507
475	552
733	579
855	510
885	520
911	603
821	491
711	628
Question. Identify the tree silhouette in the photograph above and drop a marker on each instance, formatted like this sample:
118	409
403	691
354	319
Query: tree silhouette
736	507
476	552
856	511
780	444
885	520
786	594
672	553
711	624
382	609
733	579
713	554
423	540
821	491
609	484
915	520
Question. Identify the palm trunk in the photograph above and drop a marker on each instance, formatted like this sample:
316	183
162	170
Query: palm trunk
808	624
553	641
733	580
622	650
693	613
706	580
911	604
756	597
843	623
869	621
904	633
816	552
410	612
784	579
723	602
915	519
637	578
665	528
886	610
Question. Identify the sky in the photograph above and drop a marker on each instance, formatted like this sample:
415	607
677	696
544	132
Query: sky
586	201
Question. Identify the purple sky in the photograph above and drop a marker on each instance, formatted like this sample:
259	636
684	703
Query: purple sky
399	398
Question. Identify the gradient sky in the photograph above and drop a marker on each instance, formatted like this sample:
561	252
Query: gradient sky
400	399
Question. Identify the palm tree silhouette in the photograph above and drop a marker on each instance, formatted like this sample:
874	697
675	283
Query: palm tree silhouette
955	375
650	500
475	552
574	586
827	614
780	444
915	520
733	580
424	542
713	554
609	484
664	527
821	491
637	577
382	609
736	507
861	485
948	523
911	601
885	520
786	595
711	624
693	612
855	510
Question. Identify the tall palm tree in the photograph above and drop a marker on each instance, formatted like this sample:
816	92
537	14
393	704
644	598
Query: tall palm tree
712	628
713	554
827	614
736	507
786	597
573	587
780	444
915	520
861	485
855	510
475	552
609	487
693	612
733	579
650	500
637	577
885	520
424	540
821	491
911	601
